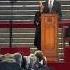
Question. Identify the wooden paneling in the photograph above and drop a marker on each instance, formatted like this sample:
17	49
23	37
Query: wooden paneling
49	28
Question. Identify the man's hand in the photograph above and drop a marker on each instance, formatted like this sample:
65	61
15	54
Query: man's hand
41	6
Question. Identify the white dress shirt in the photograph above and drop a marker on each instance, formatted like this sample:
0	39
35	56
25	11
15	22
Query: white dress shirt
50	5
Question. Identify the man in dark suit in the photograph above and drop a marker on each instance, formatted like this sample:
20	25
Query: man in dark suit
52	6
47	7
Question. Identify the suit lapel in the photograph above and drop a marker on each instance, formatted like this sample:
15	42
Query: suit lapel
54	3
52	6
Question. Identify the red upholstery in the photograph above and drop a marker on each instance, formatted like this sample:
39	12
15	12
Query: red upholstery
24	51
59	66
67	54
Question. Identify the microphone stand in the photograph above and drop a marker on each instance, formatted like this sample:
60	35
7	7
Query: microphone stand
11	23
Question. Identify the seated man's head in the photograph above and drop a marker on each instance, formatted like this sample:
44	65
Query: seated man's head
39	55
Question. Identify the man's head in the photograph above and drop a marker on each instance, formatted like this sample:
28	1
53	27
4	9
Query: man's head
39	55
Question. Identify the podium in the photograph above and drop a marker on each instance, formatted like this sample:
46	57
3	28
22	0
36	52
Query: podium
49	29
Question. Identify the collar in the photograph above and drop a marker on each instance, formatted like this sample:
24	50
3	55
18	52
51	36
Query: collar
52	1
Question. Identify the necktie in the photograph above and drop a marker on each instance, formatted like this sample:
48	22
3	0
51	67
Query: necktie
50	6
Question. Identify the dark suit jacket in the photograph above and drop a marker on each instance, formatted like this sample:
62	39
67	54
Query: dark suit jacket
67	32
38	30
55	9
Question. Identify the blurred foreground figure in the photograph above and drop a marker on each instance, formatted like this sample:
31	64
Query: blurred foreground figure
37	61
41	63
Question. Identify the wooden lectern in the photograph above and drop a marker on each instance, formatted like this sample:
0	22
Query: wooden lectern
49	28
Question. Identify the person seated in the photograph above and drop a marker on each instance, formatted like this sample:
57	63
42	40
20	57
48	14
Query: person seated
23	63
41	63
15	57
40	56
18	58
8	58
21	60
31	61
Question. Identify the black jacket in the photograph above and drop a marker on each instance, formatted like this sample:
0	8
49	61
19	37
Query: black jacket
55	9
